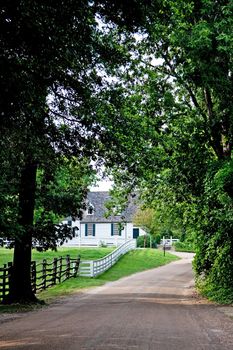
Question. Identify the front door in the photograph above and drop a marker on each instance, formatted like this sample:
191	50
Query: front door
135	232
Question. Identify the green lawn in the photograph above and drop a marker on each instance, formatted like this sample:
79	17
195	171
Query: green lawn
134	261
5	255
85	254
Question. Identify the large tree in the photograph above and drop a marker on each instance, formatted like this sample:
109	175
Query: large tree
182	73
164	118
54	60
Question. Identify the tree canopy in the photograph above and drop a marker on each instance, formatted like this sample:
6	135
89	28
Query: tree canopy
55	58
182	97
142	86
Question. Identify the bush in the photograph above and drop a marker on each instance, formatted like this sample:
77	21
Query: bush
157	238
215	292
184	247
146	241
102	244
213	263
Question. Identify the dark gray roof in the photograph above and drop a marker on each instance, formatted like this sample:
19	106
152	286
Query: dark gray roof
98	201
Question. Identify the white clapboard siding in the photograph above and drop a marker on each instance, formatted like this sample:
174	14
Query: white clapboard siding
92	268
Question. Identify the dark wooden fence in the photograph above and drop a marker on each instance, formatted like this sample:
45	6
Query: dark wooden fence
43	274
4	280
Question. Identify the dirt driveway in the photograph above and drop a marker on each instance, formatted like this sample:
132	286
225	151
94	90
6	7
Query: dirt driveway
156	309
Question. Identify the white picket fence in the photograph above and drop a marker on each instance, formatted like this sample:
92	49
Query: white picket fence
92	268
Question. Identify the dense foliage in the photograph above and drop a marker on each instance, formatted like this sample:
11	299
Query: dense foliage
143	86
182	163
55	61
146	241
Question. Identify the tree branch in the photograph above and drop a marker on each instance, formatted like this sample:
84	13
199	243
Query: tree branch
215	127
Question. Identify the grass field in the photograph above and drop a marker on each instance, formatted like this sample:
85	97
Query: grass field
6	255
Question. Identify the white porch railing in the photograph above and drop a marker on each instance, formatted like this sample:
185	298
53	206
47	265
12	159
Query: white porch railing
92	268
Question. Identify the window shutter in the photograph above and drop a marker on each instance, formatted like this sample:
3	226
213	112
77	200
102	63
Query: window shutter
93	229
86	230
112	229
120	229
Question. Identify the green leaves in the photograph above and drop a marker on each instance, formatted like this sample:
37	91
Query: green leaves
179	102
60	193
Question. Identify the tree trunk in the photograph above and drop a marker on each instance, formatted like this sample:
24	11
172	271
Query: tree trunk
20	280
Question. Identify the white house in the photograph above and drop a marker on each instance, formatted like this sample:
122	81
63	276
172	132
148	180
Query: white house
96	229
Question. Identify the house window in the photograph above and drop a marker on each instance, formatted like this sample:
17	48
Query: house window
90	210
89	229
116	229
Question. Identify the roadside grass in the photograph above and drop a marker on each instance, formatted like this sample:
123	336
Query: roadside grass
135	261
17	308
6	255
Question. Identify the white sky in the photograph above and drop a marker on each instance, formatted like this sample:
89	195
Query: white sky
103	185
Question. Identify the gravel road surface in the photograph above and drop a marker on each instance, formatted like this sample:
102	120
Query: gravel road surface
156	309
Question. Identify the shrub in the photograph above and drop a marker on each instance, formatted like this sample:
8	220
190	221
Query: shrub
157	238
215	292
146	241
184	247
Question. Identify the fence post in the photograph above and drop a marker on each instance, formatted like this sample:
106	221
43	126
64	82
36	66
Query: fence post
54	270
44	265
33	276
67	266
76	267
92	268
4	281
60	269
10	273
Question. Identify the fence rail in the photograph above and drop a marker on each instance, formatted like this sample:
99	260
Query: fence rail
46	274
92	268
43	274
4	280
